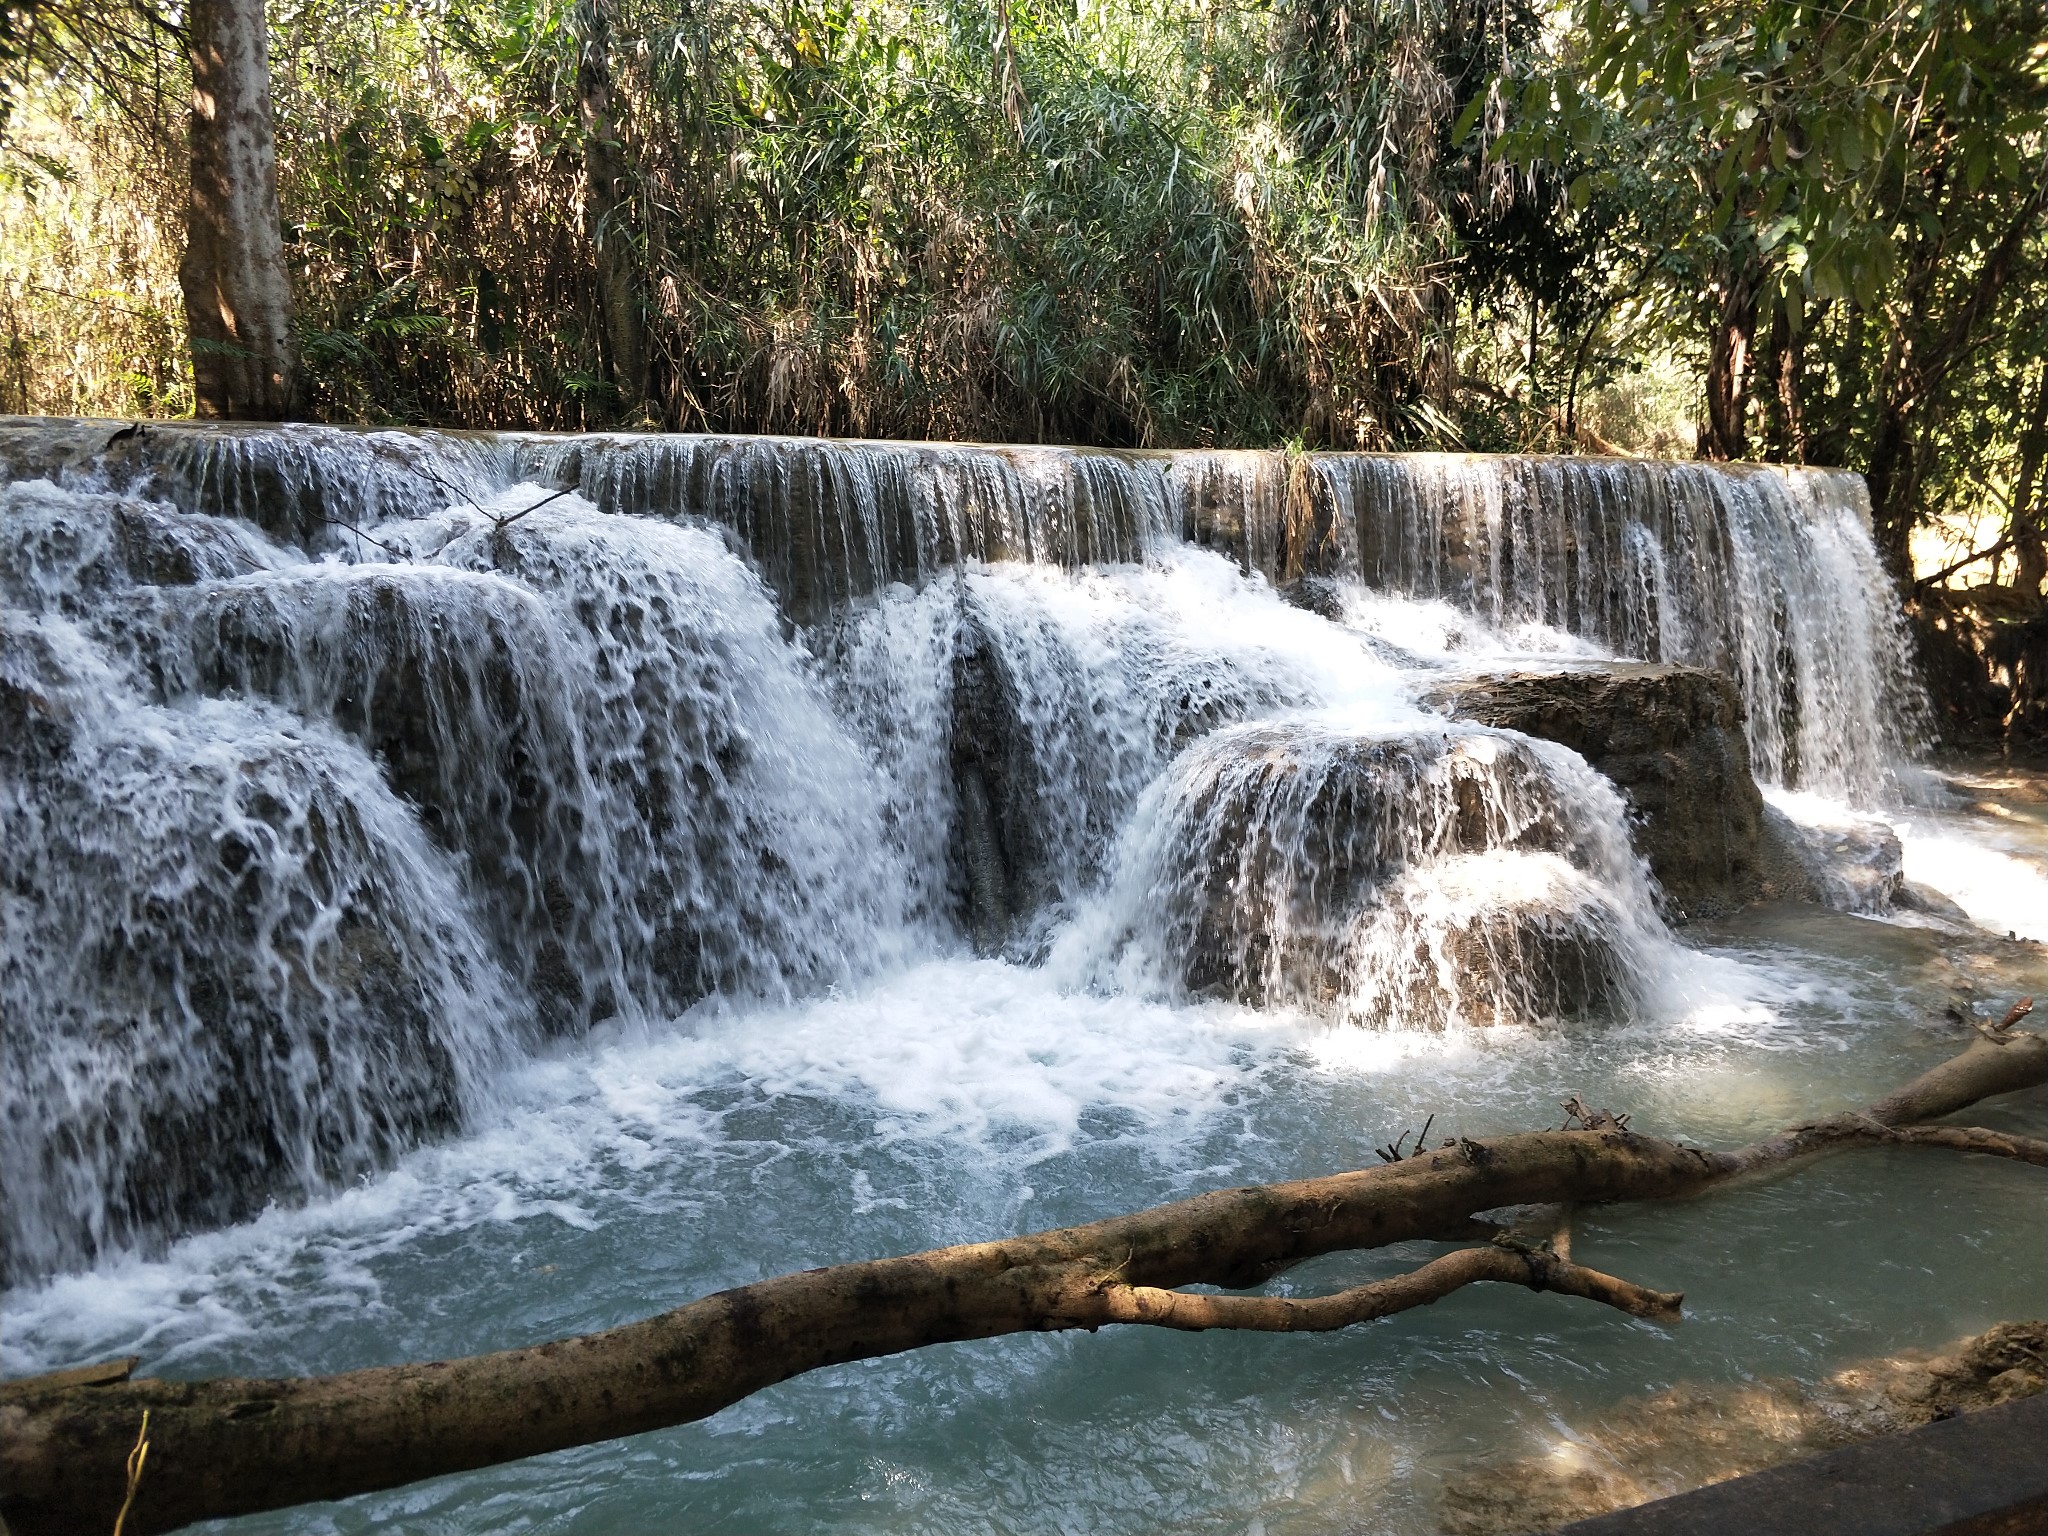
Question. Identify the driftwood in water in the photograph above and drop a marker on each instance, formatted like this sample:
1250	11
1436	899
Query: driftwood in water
229	1446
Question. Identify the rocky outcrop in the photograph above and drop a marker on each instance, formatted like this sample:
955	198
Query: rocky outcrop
998	855
1671	740
1432	876
1849	863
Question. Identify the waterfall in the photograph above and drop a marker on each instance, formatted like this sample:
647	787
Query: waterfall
344	768
1422	875
1768	574
234	967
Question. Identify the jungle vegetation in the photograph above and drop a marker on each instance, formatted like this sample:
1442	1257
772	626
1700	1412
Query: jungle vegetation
1744	228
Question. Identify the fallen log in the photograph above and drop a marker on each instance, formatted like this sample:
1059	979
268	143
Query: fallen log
230	1446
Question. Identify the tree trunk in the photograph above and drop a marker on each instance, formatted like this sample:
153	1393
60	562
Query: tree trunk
228	1446
238	298
1785	429
2028	494
608	216
1726	433
1915	377
1894	475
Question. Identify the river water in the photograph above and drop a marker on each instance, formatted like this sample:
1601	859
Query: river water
669	863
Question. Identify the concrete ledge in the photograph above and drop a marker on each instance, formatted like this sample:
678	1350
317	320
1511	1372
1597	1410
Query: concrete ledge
1982	1474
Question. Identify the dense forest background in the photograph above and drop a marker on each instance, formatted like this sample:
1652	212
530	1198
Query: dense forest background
1742	228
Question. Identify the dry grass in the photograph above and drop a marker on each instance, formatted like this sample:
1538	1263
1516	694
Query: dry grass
91	321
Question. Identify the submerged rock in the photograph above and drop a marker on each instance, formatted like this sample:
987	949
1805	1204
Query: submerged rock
1424	877
1653	1447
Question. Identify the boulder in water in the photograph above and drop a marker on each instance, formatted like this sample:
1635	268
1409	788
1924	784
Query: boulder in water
1671	740
1850	863
1419	878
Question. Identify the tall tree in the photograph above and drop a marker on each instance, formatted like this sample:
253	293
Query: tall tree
608	214
238	298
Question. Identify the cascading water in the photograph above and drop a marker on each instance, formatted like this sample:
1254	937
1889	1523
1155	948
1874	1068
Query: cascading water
1417	876
364	761
721	856
1767	575
301	851
234	967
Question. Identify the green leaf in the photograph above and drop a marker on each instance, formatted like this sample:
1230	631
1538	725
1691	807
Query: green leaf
1827	279
1467	119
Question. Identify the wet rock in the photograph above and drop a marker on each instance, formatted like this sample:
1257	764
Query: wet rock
1317	595
1649	1448
65	551
1671	740
1428	878
1052	742
998	856
1912	896
1850	863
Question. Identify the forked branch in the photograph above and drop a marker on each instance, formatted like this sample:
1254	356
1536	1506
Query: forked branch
1509	1263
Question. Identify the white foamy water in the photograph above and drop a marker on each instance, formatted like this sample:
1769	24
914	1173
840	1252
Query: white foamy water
550	915
1998	876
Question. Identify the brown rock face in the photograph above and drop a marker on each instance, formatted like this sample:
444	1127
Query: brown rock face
1671	739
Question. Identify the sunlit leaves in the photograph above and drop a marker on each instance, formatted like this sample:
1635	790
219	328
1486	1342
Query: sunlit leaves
1827	134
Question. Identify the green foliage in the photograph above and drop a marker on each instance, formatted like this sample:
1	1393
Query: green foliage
1831	136
1124	222
1139	221
1477	223
1844	202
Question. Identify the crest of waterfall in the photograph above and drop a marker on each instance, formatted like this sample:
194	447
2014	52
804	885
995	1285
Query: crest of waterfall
1433	875
831	521
344	766
1762	572
1766	574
